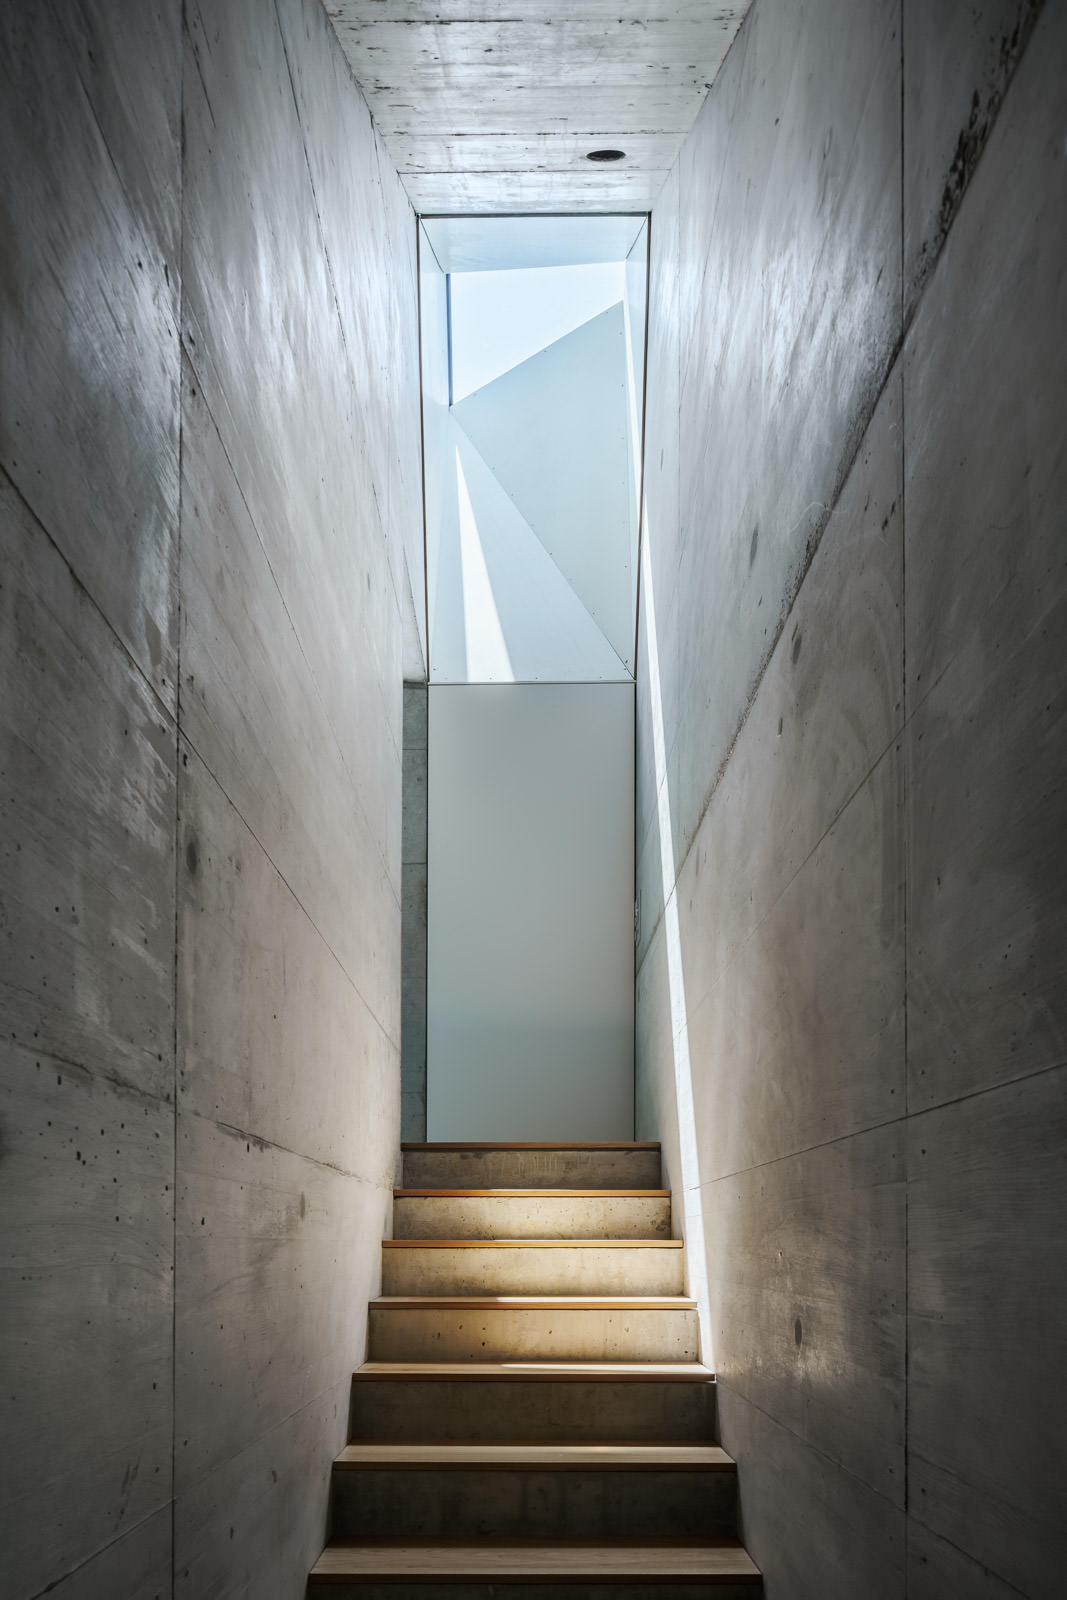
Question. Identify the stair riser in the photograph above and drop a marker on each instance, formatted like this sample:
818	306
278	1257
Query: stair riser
397	1410
636	1271
517	1333
525	1590
538	1504
532	1169
527	1217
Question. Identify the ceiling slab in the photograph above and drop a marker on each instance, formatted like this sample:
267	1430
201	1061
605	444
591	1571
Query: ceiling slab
501	244
494	106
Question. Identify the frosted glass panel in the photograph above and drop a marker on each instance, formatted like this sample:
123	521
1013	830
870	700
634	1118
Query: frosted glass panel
530	912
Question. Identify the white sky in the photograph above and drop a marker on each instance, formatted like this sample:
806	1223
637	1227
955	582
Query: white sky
502	318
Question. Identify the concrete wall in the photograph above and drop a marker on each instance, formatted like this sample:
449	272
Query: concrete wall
852	776
413	921
209	453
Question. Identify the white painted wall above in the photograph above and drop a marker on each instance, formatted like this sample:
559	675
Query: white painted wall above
483	111
530	911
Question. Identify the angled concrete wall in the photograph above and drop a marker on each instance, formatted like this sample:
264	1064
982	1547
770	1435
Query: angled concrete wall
852	780
210	483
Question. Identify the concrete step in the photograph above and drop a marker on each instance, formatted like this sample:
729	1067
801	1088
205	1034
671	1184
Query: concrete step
534	1491
532	1166
536	1400
630	1569
531	1214
556	1266
397	1401
533	1328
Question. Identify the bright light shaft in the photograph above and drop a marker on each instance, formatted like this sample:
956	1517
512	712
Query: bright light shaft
696	1260
487	654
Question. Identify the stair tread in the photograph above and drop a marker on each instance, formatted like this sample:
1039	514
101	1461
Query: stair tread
561	1456
532	1302
606	1560
609	1144
531	1194
533	1244
566	1371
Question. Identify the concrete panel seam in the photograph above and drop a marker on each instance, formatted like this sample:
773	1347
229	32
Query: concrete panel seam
190	356
777	1422
342	1387
830	826
805	1150
944	1539
163	709
178	769
123	1533
329	264
962	173
385	1184
296	898
854	445
904	1120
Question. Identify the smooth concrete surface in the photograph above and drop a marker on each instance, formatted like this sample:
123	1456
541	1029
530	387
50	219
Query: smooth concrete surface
533	1167
210	505
852	783
486	110
532	1216
495	1503
513	1407
413	917
522	1332
525	1269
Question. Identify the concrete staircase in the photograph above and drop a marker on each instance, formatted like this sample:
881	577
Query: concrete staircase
533	1411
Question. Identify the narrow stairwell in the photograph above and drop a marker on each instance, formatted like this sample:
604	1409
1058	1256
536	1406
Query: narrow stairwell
533	1410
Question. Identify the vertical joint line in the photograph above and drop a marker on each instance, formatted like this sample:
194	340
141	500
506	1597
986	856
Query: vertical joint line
904	791
448	325
177	825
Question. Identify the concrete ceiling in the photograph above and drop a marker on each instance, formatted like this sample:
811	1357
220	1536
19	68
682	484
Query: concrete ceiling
490	106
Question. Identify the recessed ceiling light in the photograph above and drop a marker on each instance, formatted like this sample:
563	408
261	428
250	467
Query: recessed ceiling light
606	155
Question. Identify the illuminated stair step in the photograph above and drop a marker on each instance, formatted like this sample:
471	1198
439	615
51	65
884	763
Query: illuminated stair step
531	1214
536	1328
532	1166
532	1267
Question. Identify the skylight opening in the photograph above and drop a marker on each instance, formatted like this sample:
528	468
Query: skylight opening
533	333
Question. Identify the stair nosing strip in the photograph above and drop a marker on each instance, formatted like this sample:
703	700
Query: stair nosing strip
533	1302
534	1372
533	1244
436	1147
531	1194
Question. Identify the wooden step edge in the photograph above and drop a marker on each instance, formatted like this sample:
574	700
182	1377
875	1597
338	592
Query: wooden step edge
531	1194
532	1302
533	1244
539	1455
497	1560
534	1372
435	1147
